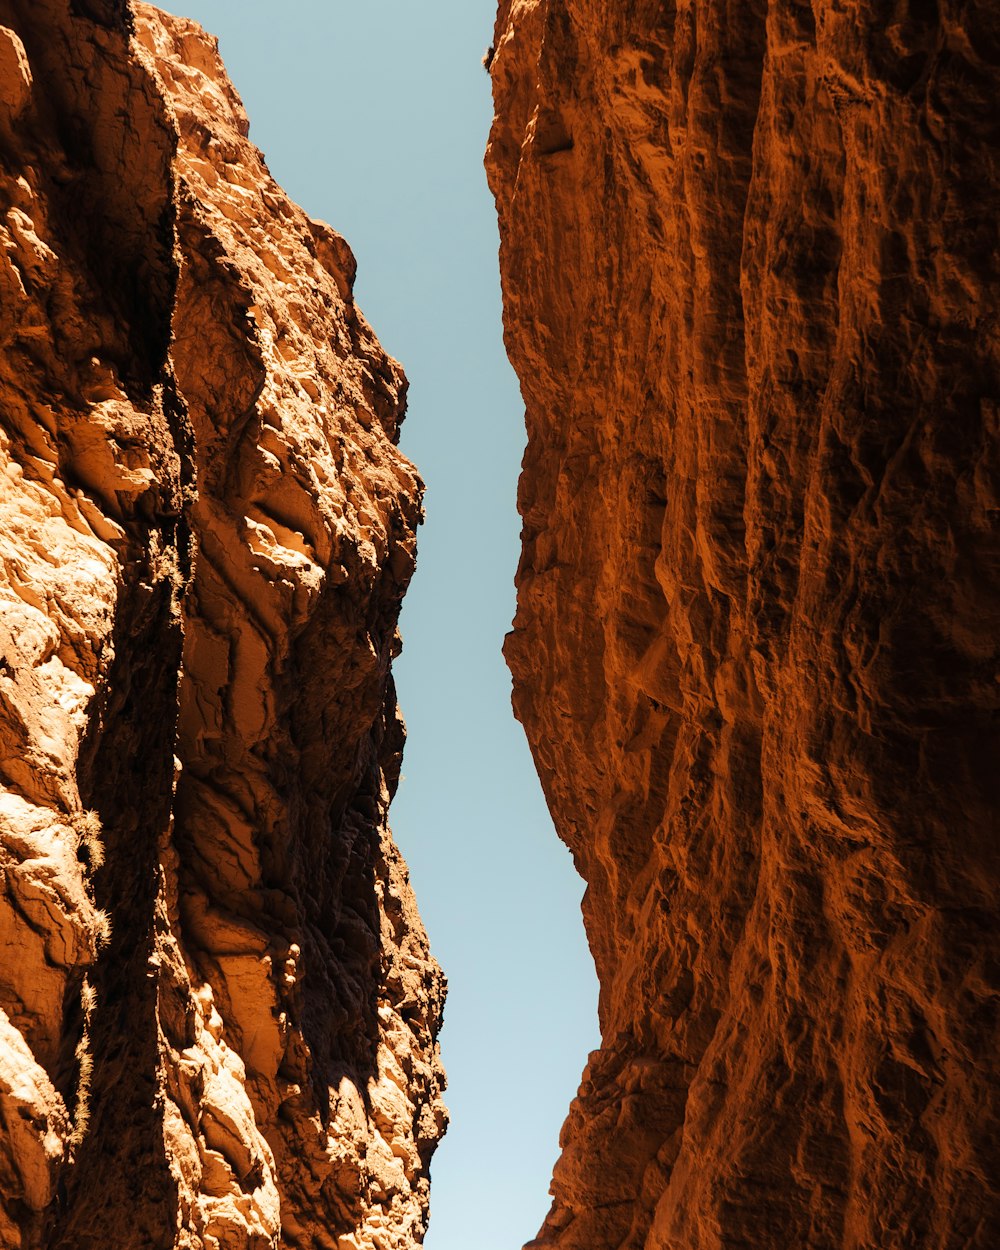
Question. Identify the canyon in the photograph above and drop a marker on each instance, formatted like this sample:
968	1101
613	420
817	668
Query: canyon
749	260
217	1004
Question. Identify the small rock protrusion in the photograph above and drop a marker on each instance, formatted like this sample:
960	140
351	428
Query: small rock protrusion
15	76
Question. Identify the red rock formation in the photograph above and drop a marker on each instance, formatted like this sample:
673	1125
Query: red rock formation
217	1007
749	255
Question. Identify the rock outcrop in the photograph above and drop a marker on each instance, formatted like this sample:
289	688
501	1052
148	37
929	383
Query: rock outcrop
217	1006
749	256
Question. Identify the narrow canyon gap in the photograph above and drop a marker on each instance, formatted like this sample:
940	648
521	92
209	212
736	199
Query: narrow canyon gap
749	254
750	266
469	815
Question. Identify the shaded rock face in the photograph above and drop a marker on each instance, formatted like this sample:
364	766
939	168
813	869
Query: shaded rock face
749	256
217	1007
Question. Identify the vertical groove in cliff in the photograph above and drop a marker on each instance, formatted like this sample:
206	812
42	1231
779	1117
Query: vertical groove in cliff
748	258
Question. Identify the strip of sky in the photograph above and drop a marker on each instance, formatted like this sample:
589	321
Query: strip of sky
375	117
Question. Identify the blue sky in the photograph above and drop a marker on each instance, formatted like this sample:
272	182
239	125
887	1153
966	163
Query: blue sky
374	117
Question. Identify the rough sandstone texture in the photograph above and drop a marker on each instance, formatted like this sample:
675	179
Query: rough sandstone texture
217	1006
750	265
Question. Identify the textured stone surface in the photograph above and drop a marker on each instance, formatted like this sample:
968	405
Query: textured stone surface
749	255
217	1006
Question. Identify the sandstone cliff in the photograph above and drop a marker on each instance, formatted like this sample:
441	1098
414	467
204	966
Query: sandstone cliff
749	256
217	1006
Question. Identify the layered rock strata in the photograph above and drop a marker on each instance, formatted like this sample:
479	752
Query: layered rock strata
749	257
217	1006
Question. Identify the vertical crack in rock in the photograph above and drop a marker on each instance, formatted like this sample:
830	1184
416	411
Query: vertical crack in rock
218	1010
749	260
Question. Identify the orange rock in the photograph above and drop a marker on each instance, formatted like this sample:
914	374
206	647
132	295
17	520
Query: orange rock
748	255
218	1010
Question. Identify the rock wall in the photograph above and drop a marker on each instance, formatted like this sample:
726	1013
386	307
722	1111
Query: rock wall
749	257
217	1007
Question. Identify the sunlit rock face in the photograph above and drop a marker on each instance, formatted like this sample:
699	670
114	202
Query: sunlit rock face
749	256
217	1007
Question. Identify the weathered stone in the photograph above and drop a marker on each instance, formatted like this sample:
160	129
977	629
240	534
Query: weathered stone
218	1006
749	256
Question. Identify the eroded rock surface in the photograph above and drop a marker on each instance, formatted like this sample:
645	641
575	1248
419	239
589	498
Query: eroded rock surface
217	1006
749	255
